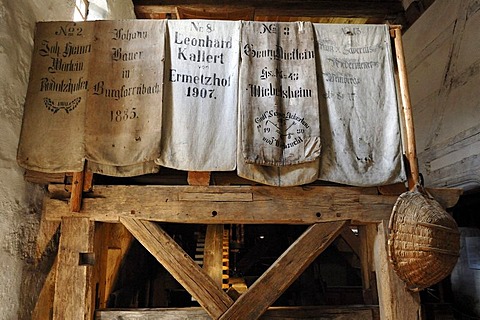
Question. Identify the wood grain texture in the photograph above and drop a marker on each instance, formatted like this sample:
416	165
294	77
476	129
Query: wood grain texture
44	306
324	8
180	265
274	313
74	290
277	278
77	190
198	178
395	301
213	253
225	204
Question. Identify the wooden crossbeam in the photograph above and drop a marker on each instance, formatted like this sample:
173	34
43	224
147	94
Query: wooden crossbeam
227	204
273	313
352	240
179	264
267	289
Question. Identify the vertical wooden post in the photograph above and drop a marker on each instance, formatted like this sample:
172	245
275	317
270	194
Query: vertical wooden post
367	234
411	148
74	289
112	241
213	254
77	189
395	301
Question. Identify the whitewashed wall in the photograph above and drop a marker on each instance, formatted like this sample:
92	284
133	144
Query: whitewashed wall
442	50
20	202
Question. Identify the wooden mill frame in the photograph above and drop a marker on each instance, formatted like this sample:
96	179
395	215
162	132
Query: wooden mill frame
94	238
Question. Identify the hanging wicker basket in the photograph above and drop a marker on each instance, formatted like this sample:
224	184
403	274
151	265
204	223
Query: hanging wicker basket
424	240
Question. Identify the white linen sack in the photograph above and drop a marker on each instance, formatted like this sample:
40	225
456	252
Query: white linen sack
200	104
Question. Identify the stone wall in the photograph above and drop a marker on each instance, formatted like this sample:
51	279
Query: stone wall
20	202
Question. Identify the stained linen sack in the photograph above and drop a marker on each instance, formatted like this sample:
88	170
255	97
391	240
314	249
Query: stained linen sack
124	111
279	138
360	125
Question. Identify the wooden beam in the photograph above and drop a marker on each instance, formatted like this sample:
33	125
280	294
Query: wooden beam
322	8
228	204
352	240
213	253
273	313
396	302
112	243
263	293
367	234
44	306
74	290
179	264
46	232
198	178
77	189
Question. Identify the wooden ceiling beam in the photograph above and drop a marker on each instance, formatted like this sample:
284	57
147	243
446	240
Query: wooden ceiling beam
370	9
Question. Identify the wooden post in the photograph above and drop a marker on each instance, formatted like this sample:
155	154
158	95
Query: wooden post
77	189
74	289
213	253
367	234
395	301
411	148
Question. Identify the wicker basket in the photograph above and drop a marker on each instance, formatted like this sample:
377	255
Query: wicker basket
424	240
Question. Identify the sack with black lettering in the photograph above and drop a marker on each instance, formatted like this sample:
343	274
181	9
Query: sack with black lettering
278	94
200	105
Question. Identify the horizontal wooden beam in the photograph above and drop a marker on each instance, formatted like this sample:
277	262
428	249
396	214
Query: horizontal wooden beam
273	313
322	8
226	204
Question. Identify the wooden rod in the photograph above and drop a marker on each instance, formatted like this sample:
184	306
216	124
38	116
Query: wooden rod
77	189
411	149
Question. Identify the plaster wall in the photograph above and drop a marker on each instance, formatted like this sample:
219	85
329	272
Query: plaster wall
21	277
442	50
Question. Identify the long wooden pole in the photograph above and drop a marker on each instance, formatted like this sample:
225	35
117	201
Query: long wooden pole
411	149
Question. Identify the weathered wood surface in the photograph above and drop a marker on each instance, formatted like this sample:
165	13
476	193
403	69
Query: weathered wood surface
198	178
227	204
180	265
77	189
395	301
74	290
323	8
213	253
112	241
273	313
263	293
367	234
44	306
46	232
